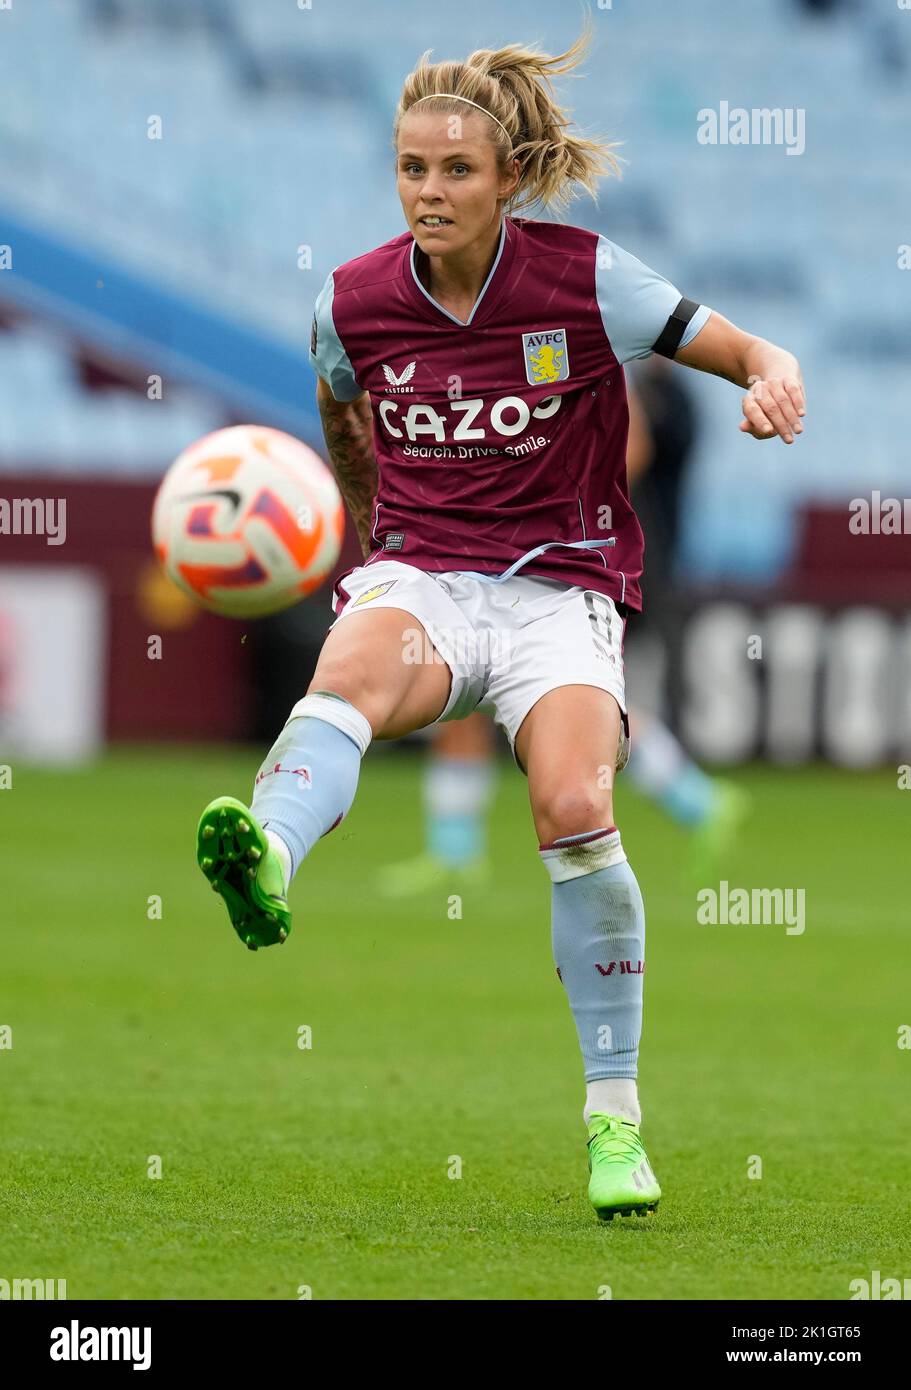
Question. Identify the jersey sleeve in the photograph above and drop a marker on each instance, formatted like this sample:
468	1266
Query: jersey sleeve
328	357
640	310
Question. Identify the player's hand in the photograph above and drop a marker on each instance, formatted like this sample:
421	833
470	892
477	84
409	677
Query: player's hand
773	407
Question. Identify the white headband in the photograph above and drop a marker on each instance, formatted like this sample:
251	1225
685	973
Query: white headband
456	97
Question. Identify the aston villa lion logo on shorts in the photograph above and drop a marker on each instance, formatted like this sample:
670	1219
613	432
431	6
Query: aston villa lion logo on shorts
546	356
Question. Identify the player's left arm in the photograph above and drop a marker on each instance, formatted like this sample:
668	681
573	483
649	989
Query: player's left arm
775	402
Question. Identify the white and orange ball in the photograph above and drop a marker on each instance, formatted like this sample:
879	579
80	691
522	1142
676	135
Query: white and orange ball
248	521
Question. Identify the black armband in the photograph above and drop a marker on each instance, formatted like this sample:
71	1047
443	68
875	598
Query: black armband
668	341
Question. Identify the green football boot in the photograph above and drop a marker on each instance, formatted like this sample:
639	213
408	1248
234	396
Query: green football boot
242	866
622	1181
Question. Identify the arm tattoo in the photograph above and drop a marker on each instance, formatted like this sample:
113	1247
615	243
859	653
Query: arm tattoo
348	427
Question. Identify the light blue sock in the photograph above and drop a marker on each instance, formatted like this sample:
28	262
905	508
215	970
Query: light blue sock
456	801
307	783
599	947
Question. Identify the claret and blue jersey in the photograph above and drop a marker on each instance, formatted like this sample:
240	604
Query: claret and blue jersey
501	442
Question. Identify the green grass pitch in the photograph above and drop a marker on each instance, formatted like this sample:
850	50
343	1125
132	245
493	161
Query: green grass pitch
436	1038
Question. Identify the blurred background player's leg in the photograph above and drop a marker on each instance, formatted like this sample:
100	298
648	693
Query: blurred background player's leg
458	785
711	808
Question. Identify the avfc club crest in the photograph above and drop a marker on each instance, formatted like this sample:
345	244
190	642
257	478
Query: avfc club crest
546	356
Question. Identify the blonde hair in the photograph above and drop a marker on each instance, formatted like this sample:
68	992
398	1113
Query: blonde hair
514	85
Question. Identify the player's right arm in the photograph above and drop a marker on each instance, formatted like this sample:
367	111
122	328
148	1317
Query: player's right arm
348	427
346	416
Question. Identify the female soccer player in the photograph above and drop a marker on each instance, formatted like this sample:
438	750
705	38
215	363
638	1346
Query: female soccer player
472	395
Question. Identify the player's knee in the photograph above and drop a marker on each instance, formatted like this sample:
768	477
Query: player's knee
345	678
572	810
354	682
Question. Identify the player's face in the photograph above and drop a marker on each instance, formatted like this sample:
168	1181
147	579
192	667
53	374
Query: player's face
448	180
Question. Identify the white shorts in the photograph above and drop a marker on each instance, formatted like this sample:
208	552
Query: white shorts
505	644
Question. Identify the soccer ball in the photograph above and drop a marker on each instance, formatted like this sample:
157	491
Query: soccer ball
247	521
